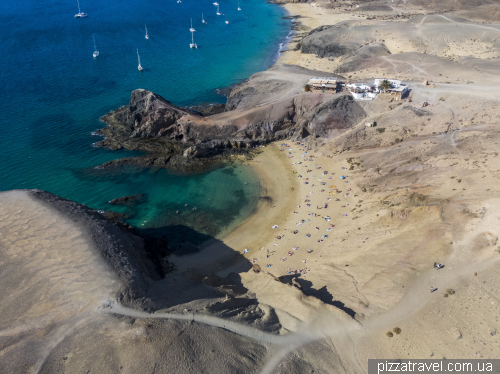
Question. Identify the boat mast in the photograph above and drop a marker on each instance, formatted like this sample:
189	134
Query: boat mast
78	6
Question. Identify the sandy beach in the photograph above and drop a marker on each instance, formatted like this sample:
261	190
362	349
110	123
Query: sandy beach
279	194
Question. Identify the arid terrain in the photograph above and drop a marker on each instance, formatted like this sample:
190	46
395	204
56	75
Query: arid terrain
337	270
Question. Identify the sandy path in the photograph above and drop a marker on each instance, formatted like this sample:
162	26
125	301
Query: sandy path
234	327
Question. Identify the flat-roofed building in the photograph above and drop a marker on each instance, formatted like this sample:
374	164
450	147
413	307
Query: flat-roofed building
323	83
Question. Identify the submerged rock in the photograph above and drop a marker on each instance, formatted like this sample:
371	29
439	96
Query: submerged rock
127	200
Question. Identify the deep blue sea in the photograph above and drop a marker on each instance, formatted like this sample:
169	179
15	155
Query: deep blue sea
54	92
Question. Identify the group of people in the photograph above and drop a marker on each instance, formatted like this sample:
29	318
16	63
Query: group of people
307	156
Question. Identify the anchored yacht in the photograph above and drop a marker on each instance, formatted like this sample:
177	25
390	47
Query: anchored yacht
96	52
192	44
80	14
139	60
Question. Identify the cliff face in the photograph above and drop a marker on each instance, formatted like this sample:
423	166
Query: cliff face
147	115
259	111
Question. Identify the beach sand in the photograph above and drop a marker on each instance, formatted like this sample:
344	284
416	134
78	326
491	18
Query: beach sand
279	194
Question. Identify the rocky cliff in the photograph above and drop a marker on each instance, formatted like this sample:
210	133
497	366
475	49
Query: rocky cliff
266	108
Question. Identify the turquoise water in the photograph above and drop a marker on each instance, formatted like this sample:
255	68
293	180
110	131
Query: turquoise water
54	92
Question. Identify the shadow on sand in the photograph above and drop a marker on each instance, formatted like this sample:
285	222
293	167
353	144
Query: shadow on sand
196	283
323	294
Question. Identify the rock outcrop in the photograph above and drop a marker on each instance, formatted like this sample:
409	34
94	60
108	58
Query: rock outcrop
264	109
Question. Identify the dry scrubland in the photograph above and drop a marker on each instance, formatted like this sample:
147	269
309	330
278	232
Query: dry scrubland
423	187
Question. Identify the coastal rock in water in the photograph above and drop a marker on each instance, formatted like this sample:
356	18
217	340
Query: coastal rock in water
126	200
270	106
147	115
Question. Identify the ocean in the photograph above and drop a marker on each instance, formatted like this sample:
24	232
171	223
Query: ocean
54	93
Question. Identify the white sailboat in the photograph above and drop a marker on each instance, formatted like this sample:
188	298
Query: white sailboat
80	14
216	3
179	1
96	52
139	59
191	29
147	36
193	44
218	13
227	22
239	6
203	19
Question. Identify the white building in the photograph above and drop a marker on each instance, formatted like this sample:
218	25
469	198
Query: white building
395	83
365	95
359	86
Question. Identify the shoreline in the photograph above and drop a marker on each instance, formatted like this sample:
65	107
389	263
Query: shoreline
262	214
219	255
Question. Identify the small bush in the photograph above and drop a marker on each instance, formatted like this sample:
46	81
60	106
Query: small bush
307	88
381	130
450	291
475	274
389	334
445	295
441	99
396	330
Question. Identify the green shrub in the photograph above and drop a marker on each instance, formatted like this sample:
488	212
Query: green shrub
450	291
396	330
381	130
389	334
307	88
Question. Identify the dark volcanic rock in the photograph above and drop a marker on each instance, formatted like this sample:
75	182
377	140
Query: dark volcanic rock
181	139
334	116
322	42
209	109
123	251
147	115
127	200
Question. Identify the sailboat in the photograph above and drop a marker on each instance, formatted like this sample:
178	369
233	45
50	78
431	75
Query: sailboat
239	6
203	19
216	3
179	1
193	44
147	36
80	14
139	59
218	13
191	29
96	52
227	22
